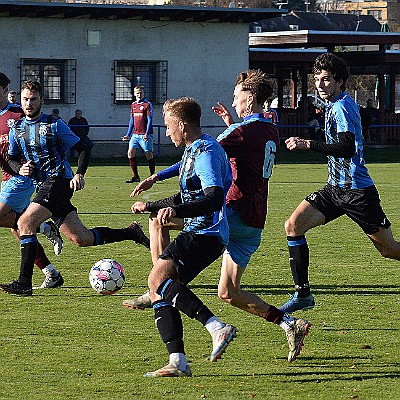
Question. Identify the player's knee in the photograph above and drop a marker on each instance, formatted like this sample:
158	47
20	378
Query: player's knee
289	227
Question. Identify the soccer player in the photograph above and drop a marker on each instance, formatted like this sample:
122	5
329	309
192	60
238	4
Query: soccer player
251	146
140	133
205	178
16	190
12	97
43	143
349	191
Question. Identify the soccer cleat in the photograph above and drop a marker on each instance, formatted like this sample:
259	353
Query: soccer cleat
51	282
139	303
169	371
133	179
138	235
52	233
16	287
295	337
221	338
297	303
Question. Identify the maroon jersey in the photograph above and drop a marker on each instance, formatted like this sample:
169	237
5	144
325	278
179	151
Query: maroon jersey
251	147
9	115
142	114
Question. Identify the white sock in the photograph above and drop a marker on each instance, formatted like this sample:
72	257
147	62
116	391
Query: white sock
287	322
50	270
178	360
214	324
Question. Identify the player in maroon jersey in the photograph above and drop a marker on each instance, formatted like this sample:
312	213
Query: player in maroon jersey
140	133
16	191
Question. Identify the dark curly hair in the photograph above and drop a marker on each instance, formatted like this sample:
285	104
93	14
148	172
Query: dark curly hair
257	83
4	80
336	65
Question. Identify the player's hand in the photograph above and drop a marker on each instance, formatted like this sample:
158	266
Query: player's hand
223	112
165	215
77	182
138	207
27	168
125	138
144	185
145	138
296	143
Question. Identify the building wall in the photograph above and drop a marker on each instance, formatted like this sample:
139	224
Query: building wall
389	11
203	61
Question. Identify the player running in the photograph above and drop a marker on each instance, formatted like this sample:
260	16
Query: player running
349	191
43	143
251	147
16	191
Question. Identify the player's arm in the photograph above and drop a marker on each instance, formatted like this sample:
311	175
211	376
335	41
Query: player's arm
146	184
149	119
344	148
130	129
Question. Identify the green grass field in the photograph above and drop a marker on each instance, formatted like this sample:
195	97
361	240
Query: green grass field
72	343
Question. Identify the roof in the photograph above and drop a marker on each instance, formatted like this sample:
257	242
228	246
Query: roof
322	38
37	9
321	22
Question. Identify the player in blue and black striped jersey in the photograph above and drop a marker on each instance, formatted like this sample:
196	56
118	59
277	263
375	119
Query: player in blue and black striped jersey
199	210
42	142
349	191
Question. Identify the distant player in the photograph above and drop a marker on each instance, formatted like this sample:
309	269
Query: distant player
349	191
140	133
16	190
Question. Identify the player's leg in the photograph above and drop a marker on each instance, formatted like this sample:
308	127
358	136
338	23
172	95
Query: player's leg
230	291
385	243
7	216
159	240
178	265
132	148
148	148
27	225
53	277
73	228
304	217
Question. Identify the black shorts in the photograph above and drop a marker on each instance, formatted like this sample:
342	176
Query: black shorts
55	194
192	253
361	205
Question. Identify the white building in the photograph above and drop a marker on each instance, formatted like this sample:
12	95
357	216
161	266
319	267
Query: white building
90	56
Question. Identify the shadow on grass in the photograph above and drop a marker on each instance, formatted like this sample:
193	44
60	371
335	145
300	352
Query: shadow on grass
342	289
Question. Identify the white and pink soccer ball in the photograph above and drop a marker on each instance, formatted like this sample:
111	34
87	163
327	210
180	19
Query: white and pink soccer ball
107	276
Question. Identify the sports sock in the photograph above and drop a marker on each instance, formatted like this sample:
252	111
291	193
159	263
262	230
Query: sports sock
169	324
152	166
104	235
274	315
182	298
133	164
213	324
50	270
41	260
299	261
178	360
28	245
287	322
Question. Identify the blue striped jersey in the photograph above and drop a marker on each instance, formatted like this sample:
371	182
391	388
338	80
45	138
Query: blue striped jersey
205	164
44	141
343	115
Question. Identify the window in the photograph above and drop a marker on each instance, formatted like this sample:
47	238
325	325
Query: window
58	78
152	75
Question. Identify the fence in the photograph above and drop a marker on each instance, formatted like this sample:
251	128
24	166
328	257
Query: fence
291	124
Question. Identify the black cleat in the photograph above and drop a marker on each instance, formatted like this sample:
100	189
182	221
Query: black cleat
133	180
16	287
138	235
